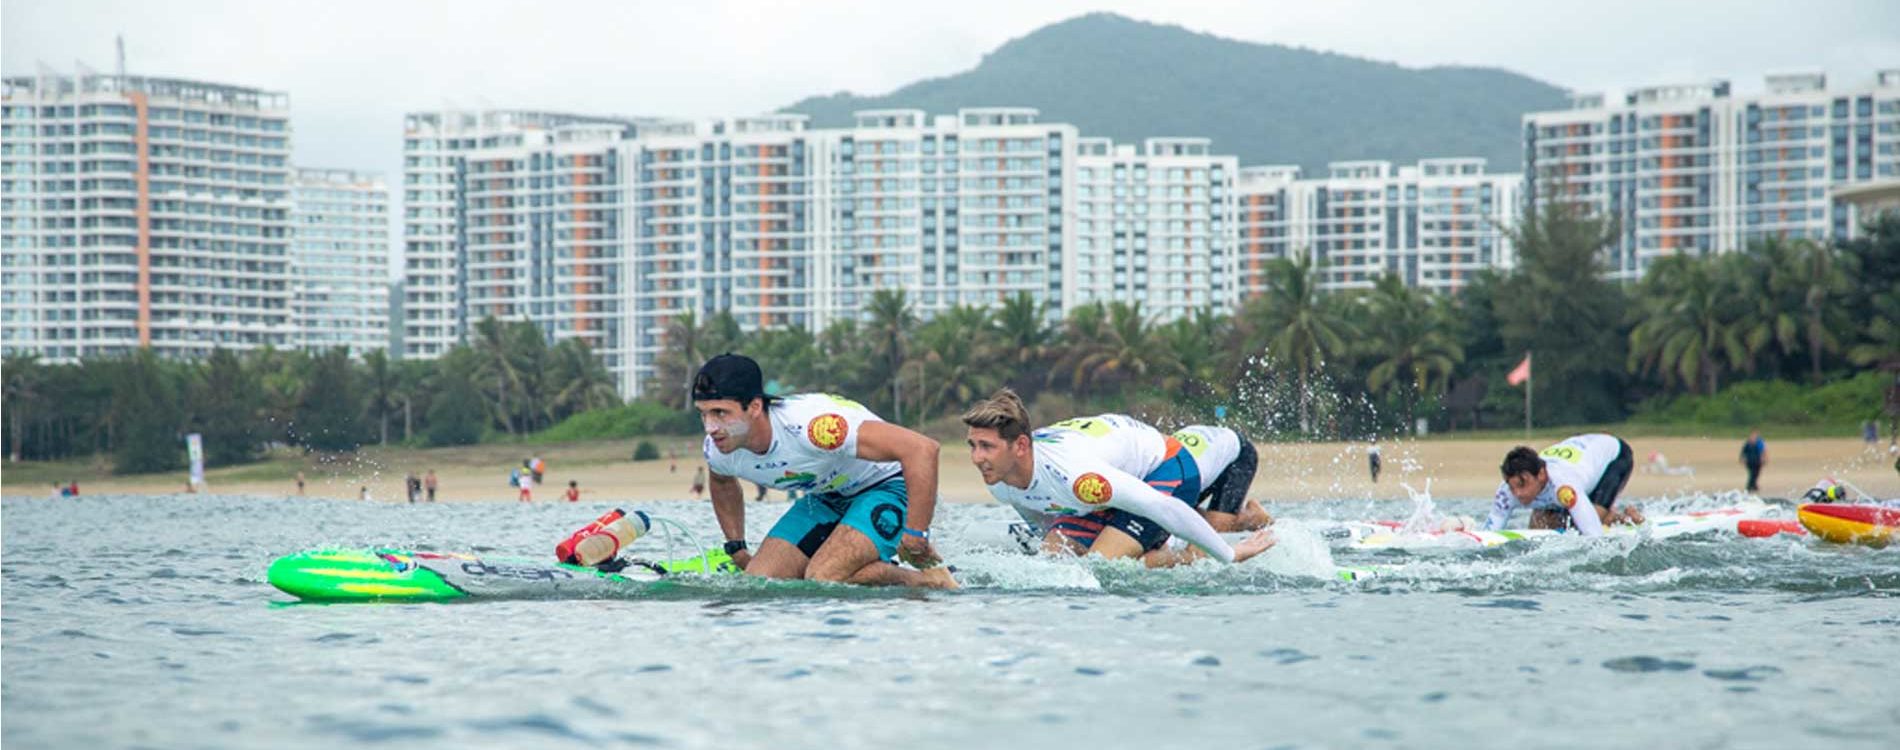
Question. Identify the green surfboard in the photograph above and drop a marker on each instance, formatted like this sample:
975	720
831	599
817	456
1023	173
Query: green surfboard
393	575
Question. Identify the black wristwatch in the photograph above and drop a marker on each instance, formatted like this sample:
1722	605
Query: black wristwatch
734	546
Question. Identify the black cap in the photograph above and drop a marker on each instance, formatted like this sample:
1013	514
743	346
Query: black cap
730	376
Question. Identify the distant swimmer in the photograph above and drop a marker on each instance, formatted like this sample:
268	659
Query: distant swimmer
870	486
1585	470
1111	485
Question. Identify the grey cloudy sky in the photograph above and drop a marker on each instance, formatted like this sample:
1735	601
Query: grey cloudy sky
352	67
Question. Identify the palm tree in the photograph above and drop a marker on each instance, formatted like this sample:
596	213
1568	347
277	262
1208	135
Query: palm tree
1194	344
787	355
891	322
1412	342
581	381
1764	275
1292	322
1821	283
844	362
958	357
1128	351
1689	332
1083	332
528	348
681	351
23	377
1882	342
1024	336
722	334
497	366
382	391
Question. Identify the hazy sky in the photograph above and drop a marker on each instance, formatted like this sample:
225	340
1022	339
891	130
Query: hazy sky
353	67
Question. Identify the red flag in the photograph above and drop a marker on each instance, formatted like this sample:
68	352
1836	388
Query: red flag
1521	373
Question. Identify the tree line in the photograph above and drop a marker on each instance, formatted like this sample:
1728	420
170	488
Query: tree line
508	379
1292	362
1298	362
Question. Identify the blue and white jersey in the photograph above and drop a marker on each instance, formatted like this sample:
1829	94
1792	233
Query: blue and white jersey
1092	464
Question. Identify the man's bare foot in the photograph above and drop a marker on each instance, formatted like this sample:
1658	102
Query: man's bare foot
1261	541
938	577
1252	516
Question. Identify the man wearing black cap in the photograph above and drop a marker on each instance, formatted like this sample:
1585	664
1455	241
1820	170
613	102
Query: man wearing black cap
870	486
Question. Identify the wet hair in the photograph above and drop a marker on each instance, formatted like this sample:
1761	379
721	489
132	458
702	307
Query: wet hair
1521	460
1003	412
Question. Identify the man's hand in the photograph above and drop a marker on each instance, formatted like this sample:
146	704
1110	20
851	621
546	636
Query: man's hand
918	552
1261	541
742	558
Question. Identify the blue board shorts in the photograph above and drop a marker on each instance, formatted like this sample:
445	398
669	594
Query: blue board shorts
1178	476
876	511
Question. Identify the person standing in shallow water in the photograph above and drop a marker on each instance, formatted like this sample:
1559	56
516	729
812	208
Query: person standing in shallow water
428	484
1754	457
1372	462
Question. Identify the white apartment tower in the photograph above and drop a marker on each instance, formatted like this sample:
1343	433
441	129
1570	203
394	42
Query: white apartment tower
435	317
143	211
1155	225
1433	223
340	257
608	229
1696	169
543	234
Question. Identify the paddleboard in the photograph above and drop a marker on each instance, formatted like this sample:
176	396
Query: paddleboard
1872	525
1755	519
393	575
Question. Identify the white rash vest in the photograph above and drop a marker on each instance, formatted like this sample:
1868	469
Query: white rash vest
814	449
1097	463
1575	466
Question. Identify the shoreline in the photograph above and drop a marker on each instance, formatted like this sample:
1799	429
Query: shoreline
1456	468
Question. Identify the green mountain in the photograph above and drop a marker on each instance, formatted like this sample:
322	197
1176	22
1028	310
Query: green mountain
1269	104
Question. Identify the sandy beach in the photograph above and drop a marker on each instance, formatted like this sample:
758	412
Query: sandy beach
1289	472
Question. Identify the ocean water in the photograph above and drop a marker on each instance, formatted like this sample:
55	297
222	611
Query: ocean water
147	622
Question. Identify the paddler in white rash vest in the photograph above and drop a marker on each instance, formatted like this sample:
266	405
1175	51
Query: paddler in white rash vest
870	486
1573	483
1113	486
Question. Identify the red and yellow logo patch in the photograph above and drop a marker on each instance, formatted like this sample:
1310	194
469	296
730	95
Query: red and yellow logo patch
1093	489
827	431
1567	496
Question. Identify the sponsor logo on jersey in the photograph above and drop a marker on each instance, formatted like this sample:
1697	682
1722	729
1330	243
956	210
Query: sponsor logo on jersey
827	431
1567	496
1093	489
770	465
799	479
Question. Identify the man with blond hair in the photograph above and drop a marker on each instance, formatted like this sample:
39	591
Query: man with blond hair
1113	486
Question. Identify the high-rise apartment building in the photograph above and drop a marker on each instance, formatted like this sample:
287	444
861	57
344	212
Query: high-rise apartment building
434	235
608	229
543	218
1433	223
340	257
1697	169
1154	225
141	211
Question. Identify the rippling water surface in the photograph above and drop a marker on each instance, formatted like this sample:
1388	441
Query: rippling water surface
146	622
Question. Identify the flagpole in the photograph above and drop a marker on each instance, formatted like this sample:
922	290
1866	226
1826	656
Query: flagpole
1530	383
